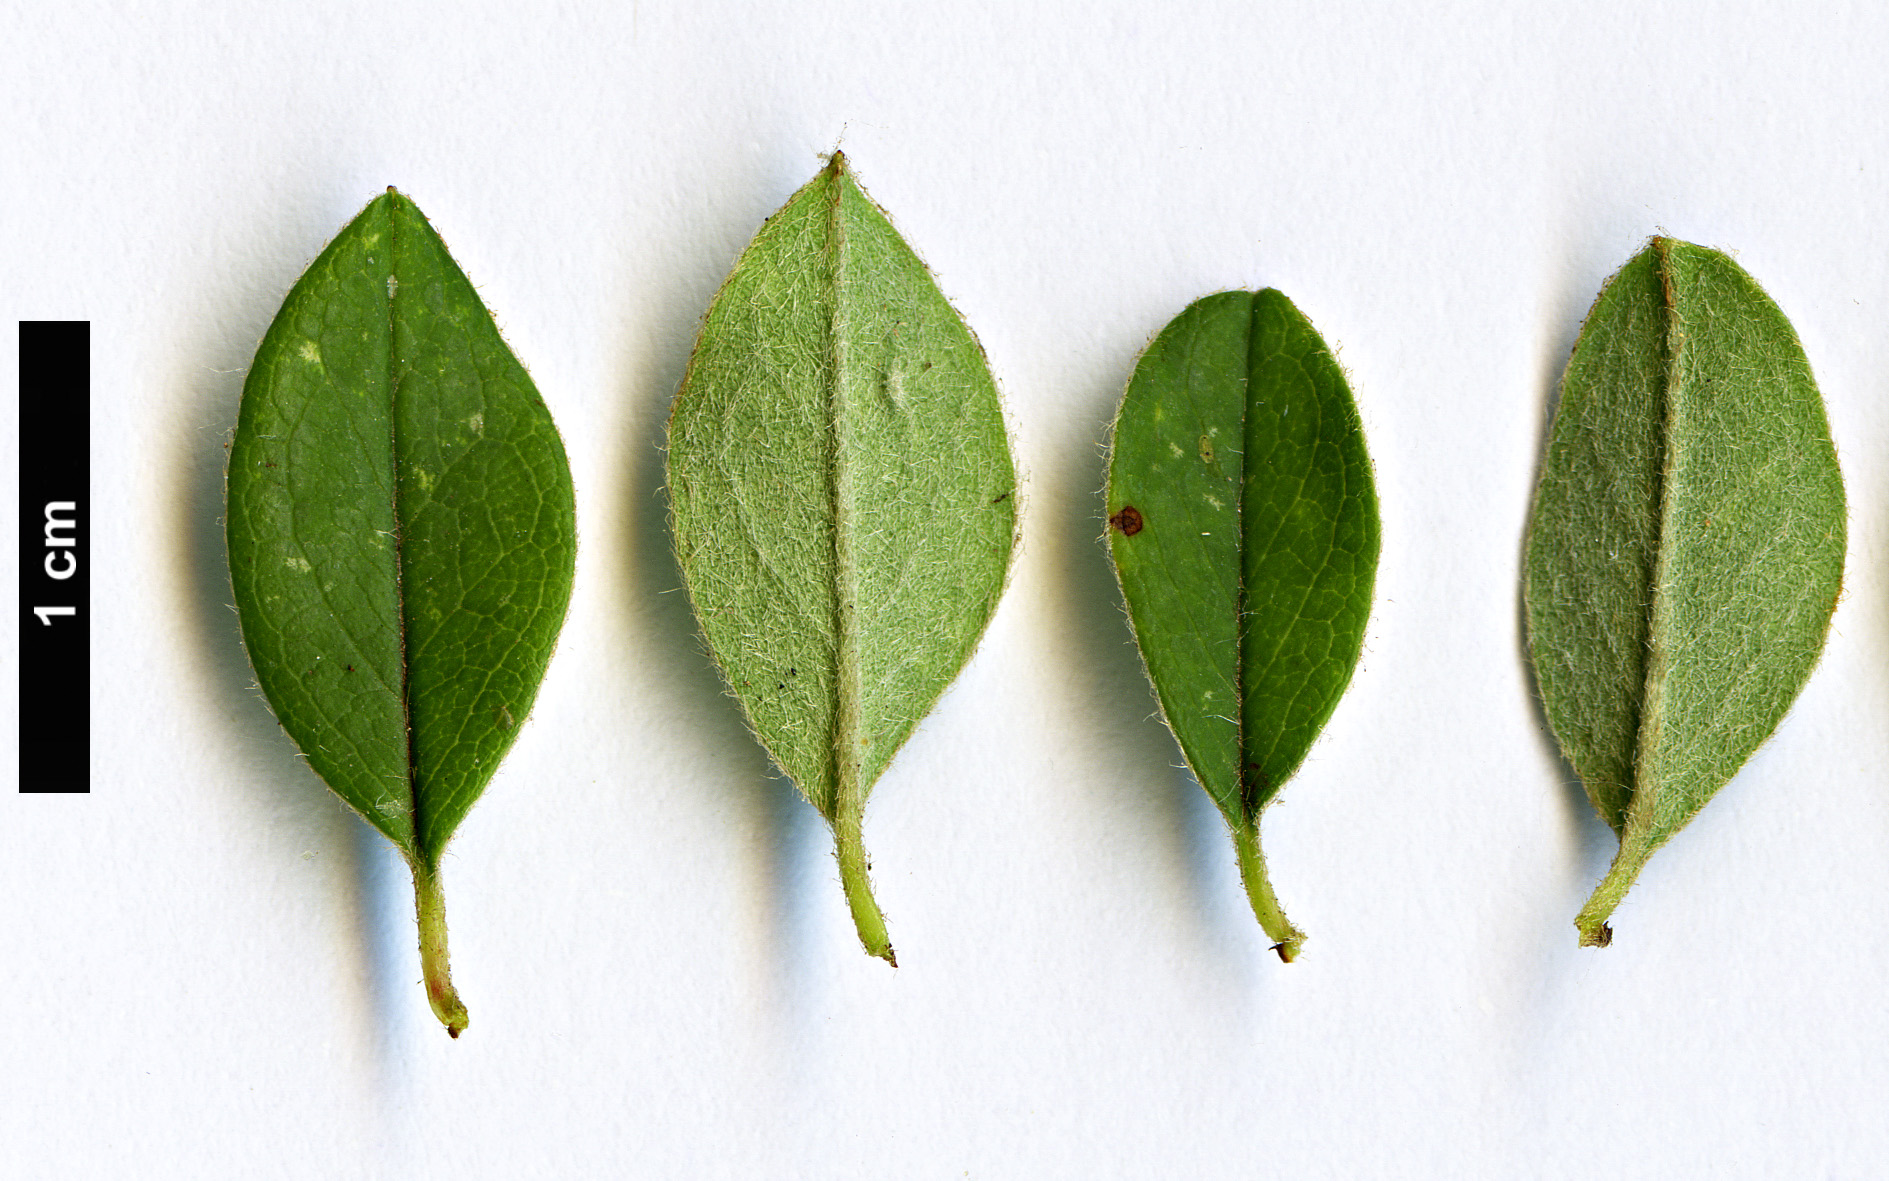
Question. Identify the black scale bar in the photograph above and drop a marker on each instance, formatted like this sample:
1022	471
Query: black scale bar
55	620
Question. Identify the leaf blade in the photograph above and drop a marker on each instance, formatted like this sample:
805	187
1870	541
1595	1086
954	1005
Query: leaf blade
1246	543
315	410
842	498
1600	489
1747	542
488	515
1316	479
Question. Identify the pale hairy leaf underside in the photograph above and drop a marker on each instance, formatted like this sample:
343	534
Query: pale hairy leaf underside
843	496
1686	549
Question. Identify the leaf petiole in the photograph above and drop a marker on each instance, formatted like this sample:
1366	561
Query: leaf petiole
1592	921
430	903
1286	937
850	847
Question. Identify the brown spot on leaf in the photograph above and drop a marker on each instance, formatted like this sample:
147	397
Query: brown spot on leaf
1128	520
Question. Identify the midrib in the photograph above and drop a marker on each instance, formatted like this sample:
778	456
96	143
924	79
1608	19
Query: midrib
1249	792
399	538
1640	811
846	720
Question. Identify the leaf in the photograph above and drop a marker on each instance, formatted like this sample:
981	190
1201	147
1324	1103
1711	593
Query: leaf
1243	523
843	499
1686	550
401	539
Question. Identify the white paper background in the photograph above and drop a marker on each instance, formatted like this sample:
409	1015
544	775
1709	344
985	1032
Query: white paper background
207	966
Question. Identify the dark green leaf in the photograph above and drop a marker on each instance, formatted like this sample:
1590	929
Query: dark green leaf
401	539
1687	545
1243	522
843	499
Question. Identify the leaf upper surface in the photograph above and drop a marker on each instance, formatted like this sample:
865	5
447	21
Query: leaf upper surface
401	527
1244	528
